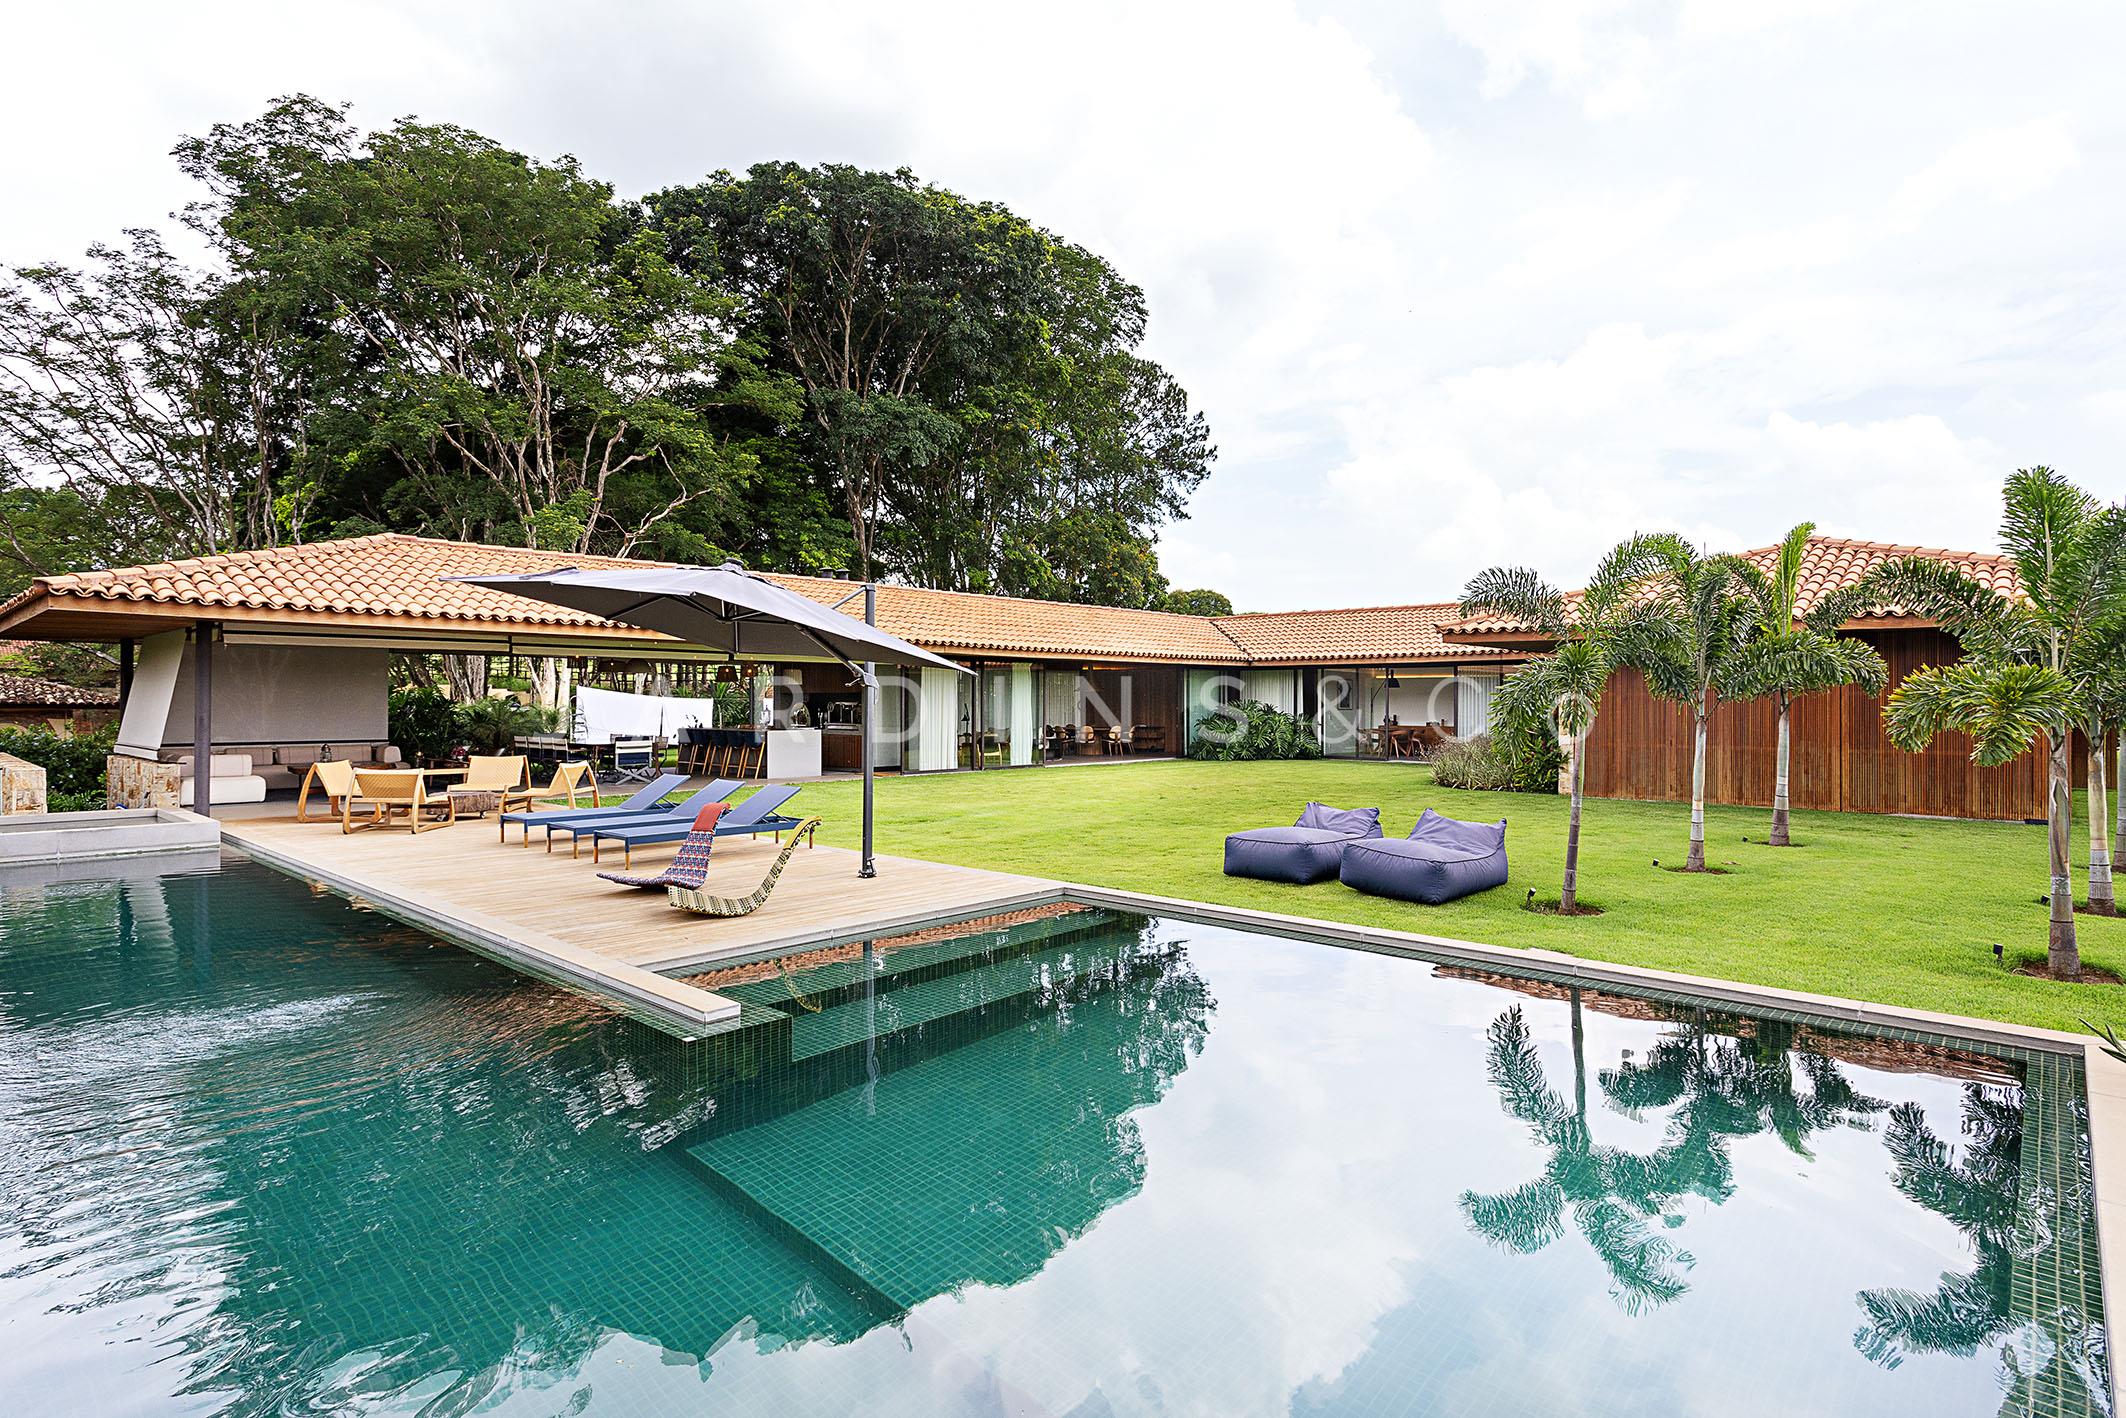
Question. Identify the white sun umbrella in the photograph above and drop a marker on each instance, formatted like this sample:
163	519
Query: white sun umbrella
731	609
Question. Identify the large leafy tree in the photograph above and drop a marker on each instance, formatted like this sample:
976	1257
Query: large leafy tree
1688	623
1788	654
2035	662
515	340
1554	697
130	397
1198	602
971	395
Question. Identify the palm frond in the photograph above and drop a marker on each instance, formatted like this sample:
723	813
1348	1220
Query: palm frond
1800	662
2041	517
1524	1221
1835	607
2003	707
1981	619
1625	570
1642	1266
1516	593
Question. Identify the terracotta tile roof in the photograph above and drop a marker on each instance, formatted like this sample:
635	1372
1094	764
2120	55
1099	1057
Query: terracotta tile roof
1829	564
1378	634
24	692
1834	562
386	575
394	578
963	620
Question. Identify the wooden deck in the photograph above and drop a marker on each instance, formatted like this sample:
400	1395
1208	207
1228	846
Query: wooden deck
552	918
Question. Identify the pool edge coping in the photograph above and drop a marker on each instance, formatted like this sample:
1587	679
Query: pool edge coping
655	999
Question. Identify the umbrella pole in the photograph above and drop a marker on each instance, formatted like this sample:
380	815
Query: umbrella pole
869	868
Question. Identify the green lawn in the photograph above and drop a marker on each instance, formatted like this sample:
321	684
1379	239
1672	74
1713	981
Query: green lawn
1888	909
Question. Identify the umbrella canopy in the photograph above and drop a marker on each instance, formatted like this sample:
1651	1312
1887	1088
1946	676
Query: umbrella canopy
729	608
722	608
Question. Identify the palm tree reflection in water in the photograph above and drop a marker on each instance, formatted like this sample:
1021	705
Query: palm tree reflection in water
2030	1243
1726	1088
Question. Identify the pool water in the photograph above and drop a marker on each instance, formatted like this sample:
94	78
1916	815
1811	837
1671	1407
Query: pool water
267	1153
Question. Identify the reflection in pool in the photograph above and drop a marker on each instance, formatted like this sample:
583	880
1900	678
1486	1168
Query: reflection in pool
271	1153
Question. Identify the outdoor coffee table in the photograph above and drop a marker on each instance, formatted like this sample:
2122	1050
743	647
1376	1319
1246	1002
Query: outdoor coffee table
477	802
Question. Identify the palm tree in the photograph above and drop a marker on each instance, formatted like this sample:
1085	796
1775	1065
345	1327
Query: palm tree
2033	663
1553	698
1684	631
1790	654
2106	715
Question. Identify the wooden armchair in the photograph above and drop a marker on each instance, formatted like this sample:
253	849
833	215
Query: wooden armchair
396	798
497	774
334	777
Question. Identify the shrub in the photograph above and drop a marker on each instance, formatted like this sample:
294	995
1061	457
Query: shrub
1482	762
1250	730
74	767
492	725
424	723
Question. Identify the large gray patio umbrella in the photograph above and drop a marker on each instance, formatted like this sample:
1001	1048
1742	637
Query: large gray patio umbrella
731	609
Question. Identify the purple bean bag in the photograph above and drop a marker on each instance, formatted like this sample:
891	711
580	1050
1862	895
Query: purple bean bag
1440	860
1310	850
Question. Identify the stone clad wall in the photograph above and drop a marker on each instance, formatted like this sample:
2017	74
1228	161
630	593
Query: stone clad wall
140	782
22	786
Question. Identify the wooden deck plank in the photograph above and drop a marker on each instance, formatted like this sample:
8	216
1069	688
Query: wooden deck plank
461	883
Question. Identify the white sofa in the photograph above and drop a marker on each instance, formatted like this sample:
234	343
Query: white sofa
229	779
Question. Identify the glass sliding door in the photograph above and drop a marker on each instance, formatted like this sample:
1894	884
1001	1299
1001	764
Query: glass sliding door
995	724
1337	712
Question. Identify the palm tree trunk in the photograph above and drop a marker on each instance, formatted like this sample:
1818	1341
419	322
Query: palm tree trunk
2062	958
1696	860
2101	900
1570	901
2119	828
1779	781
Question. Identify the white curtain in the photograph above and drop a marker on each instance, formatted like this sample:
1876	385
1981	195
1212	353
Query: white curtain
605	714
1472	712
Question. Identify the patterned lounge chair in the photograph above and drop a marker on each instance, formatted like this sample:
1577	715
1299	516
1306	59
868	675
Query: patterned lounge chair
691	866
693	898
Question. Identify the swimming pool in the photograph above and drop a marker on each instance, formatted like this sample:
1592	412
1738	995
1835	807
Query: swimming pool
267	1152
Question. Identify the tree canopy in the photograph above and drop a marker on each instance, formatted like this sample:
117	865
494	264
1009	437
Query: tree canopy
419	329
972	396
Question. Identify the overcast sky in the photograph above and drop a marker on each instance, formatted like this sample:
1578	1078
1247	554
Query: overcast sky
1457	283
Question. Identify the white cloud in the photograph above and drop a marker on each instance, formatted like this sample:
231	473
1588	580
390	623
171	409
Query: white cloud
1998	165
1454	283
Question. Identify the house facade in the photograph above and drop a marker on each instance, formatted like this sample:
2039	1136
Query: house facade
298	642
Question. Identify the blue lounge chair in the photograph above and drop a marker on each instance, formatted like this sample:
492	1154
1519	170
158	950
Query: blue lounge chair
1442	859
679	814
755	814
644	799
1310	850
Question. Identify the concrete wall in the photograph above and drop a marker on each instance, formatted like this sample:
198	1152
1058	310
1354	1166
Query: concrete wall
285	695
